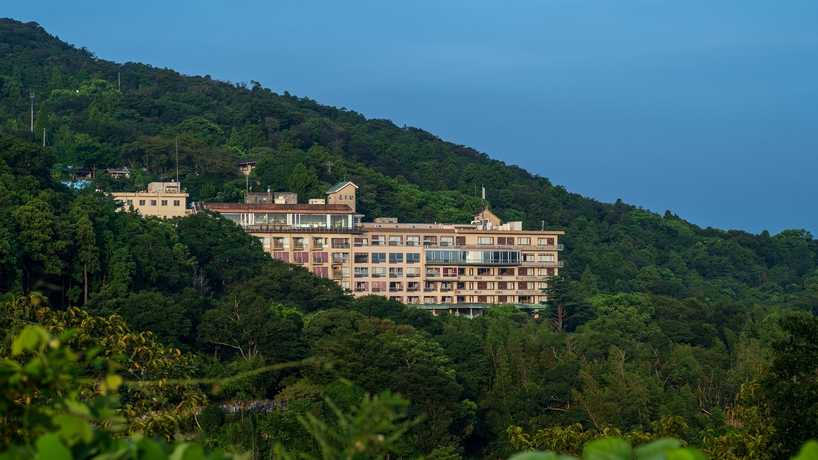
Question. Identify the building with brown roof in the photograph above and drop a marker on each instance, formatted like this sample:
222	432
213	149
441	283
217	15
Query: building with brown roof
459	268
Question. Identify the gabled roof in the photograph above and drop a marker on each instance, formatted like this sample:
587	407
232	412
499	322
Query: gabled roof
340	186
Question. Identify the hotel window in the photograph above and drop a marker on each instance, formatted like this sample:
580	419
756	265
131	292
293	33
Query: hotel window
485	240
301	257
542	272
528	257
361	272
340	243
413	241
378	257
412	257
298	243
141	202
359	242
524	241
378	286
505	240
282	256
323	272
395	240
542	285
361	286
265	242
395	286
413	286
545	241
361	258
129	202
379	272
396	272
340	257
318	243
320	257
545	258
525	271
345	285
164	203
450	272
413	272
446	241
461	240
378	240
177	203
430	241
395	258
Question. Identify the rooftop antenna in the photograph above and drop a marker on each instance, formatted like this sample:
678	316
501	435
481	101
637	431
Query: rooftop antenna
31	95
483	199
177	159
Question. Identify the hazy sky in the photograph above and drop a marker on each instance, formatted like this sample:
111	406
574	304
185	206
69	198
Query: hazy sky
706	108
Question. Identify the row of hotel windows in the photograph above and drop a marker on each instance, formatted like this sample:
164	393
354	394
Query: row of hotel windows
398	240
500	299
153	202
454	257
408	272
339	221
448	286
445	272
283	242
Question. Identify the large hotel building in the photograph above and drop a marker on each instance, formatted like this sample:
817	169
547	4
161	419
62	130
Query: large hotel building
459	268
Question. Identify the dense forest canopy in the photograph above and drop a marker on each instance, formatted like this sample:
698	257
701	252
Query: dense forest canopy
656	326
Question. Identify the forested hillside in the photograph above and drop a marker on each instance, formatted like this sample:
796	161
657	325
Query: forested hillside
658	326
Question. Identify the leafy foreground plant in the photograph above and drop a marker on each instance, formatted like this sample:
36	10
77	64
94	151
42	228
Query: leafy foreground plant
59	415
661	449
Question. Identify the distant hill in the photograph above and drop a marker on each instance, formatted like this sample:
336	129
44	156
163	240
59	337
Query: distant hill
97	113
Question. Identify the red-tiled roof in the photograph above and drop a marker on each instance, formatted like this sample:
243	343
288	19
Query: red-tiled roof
280	208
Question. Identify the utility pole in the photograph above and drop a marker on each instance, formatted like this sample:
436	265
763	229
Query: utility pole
31	95
43	137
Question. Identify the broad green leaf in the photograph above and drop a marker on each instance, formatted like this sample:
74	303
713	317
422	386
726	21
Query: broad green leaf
686	453
73	429
608	449
50	447
809	451
656	450
111	383
29	339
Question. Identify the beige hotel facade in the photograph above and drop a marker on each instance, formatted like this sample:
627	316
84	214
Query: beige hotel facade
459	268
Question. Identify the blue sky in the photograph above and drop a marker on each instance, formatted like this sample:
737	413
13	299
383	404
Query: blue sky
709	109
